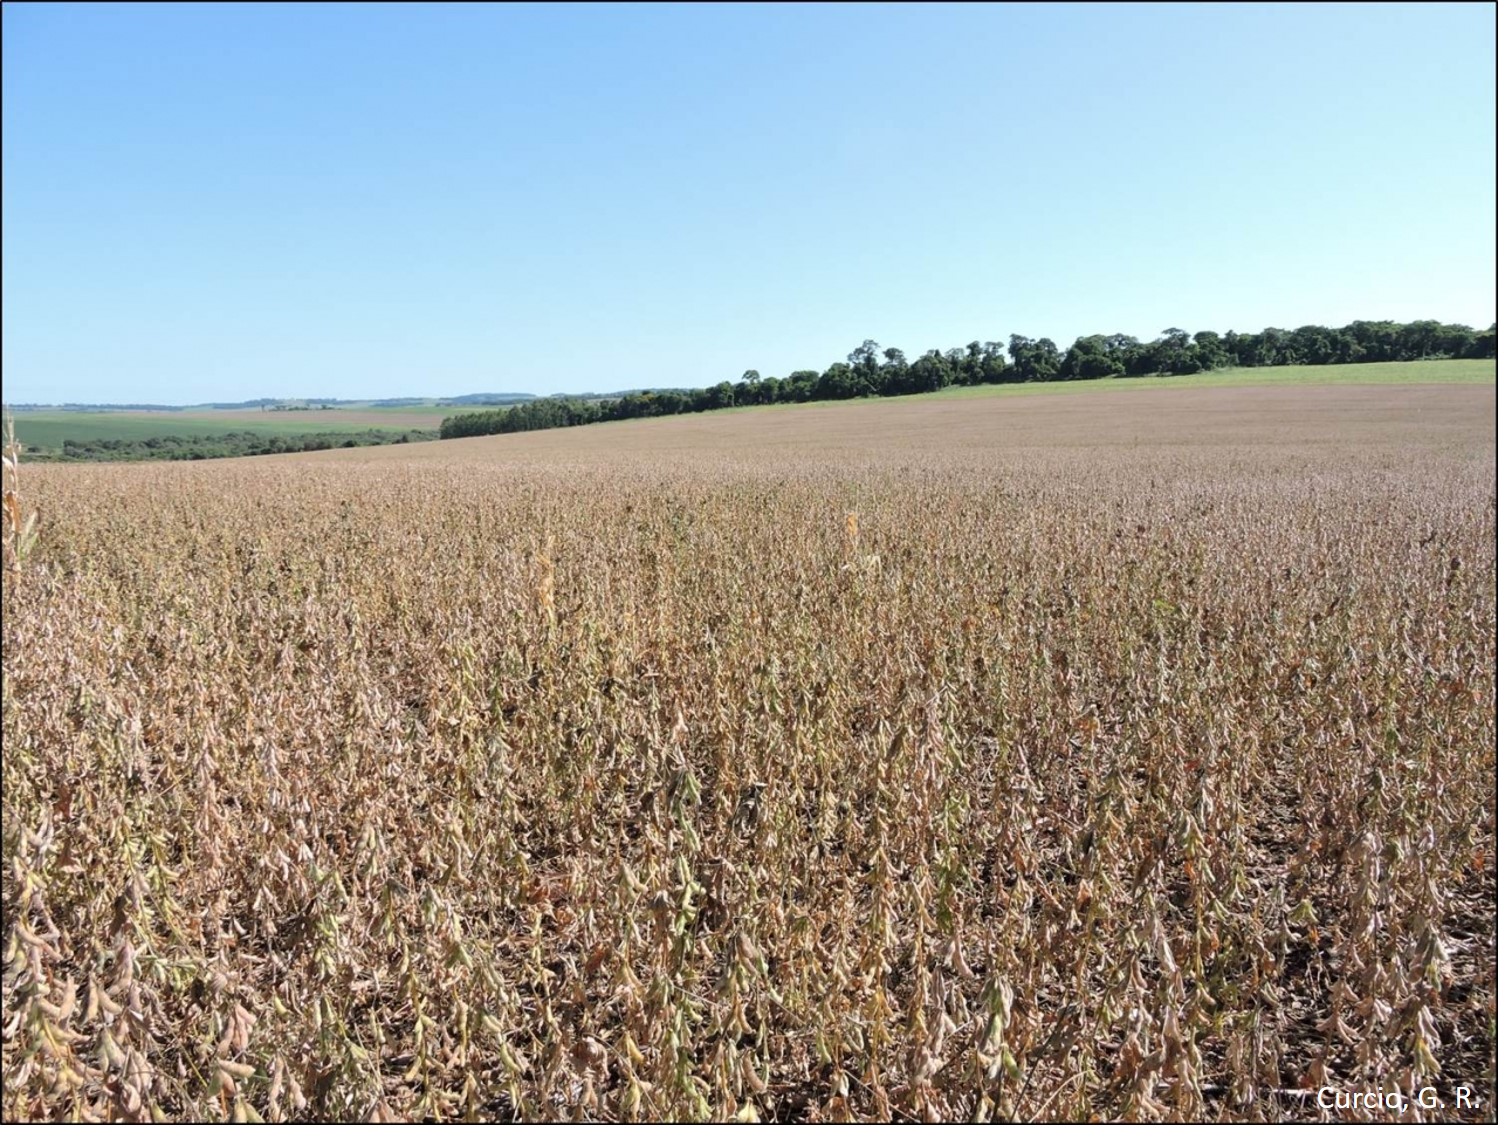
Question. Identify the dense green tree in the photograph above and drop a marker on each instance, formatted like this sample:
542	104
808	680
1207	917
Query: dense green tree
1274	348
803	386
1314	343
895	378
1089	358
930	372
1207	349
840	382
1034	361
994	364
863	370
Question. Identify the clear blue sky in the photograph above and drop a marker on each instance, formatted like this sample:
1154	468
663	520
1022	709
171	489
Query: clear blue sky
206	203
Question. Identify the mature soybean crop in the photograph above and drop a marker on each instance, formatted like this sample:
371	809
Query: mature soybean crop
1060	781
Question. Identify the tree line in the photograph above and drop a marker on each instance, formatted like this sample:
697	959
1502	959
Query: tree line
870	370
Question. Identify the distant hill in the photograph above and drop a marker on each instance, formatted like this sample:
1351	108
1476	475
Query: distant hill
592	396
495	400
482	399
90	407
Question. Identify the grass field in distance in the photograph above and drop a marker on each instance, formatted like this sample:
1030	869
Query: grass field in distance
48	429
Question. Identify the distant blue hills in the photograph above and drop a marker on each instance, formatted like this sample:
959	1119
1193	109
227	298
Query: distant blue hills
481	399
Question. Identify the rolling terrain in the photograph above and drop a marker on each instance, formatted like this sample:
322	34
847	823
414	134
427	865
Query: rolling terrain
47	429
1118	754
1263	421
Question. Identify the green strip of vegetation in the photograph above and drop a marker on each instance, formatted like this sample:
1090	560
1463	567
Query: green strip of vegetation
236	444
47	430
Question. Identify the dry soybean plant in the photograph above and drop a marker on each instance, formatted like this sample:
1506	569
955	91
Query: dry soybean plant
1155	784
17	520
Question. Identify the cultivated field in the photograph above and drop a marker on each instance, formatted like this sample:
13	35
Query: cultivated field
334	418
1129	755
1297	375
47	430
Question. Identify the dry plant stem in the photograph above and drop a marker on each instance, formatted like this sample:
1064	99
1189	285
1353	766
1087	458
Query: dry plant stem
18	518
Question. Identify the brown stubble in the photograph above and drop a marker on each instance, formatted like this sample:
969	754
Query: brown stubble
935	760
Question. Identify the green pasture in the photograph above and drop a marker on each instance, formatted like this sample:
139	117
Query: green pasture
47	430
